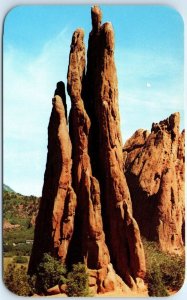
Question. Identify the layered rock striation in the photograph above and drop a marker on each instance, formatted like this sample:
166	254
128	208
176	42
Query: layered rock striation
154	168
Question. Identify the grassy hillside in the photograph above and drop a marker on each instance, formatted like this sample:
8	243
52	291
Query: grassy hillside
19	213
6	188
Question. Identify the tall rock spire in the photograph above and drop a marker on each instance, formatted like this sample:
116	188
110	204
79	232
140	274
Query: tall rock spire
60	91
88	243
101	101
55	220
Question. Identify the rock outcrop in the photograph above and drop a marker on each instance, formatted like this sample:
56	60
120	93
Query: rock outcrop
55	220
88	243
96	226
60	91
154	168
105	148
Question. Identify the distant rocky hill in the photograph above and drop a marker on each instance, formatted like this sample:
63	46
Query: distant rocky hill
18	209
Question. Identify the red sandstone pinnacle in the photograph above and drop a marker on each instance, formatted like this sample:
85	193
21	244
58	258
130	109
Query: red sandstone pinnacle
121	229
88	241
96	18
155	176
55	220
60	91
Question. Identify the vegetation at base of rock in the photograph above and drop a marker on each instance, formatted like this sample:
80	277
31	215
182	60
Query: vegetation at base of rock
49	272
77	281
165	272
17	280
156	286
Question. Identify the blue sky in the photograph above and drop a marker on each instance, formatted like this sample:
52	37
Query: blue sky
149	59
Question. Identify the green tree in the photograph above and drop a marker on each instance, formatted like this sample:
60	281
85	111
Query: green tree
77	281
165	272
49	272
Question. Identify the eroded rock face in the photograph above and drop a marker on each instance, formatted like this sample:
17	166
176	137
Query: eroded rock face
154	167
105	148
60	91
88	243
55	220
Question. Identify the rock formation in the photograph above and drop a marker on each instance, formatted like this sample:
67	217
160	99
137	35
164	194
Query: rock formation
154	167
103	233
55	220
60	91
101	101
88	243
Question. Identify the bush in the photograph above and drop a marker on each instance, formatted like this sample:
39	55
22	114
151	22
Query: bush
16	280
164	271
18	250
20	260
173	271
77	281
155	284
49	272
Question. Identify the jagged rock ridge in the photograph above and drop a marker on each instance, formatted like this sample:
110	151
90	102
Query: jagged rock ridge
86	211
154	168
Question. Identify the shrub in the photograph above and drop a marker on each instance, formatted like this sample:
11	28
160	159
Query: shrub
77	281
164	271
155	284
20	260
49	272
173	271
16	280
